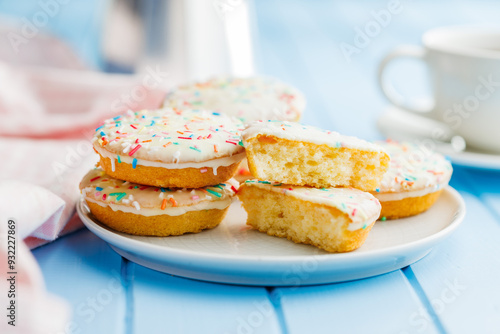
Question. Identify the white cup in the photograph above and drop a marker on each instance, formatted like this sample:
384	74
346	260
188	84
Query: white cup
464	66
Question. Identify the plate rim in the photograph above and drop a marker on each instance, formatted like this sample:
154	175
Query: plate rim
153	250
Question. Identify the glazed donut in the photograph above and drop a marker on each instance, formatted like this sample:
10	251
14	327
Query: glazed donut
144	210
333	219
414	181
249	99
297	154
170	148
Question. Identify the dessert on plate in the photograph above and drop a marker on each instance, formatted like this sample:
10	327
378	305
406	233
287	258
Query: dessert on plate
414	181
298	154
170	148
145	210
249	99
333	219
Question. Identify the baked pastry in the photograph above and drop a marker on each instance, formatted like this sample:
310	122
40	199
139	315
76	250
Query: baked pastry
170	148
414	181
143	210
249	99
334	219
297	154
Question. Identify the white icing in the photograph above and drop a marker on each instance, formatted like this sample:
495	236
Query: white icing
387	197
413	168
298	132
361	207
177	211
170	136
249	99
214	163
98	187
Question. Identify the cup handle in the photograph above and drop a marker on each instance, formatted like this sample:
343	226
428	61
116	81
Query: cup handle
404	51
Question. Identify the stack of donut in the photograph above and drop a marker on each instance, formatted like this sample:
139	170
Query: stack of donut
164	172
312	184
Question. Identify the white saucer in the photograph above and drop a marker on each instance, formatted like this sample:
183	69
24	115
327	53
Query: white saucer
400	125
232	253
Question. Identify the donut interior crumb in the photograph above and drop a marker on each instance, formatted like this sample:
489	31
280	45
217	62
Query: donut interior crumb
300	221
302	163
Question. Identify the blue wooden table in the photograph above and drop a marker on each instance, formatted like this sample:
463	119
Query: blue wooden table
455	289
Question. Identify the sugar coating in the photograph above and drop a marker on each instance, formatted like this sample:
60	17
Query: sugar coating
249	99
306	133
146	200
170	136
413	168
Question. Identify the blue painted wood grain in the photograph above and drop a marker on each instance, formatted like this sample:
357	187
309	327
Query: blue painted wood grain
167	304
382	304
83	269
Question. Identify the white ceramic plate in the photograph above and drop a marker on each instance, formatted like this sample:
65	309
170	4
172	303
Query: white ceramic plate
233	253
401	125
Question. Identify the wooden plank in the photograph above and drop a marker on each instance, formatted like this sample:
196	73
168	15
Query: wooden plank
167	304
82	269
460	277
382	304
486	185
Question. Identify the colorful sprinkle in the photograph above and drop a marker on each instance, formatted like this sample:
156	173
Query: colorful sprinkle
119	196
195	148
134	163
135	149
213	192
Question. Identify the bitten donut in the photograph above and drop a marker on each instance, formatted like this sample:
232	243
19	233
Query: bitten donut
143	210
334	219
170	148
249	99
414	181
305	155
